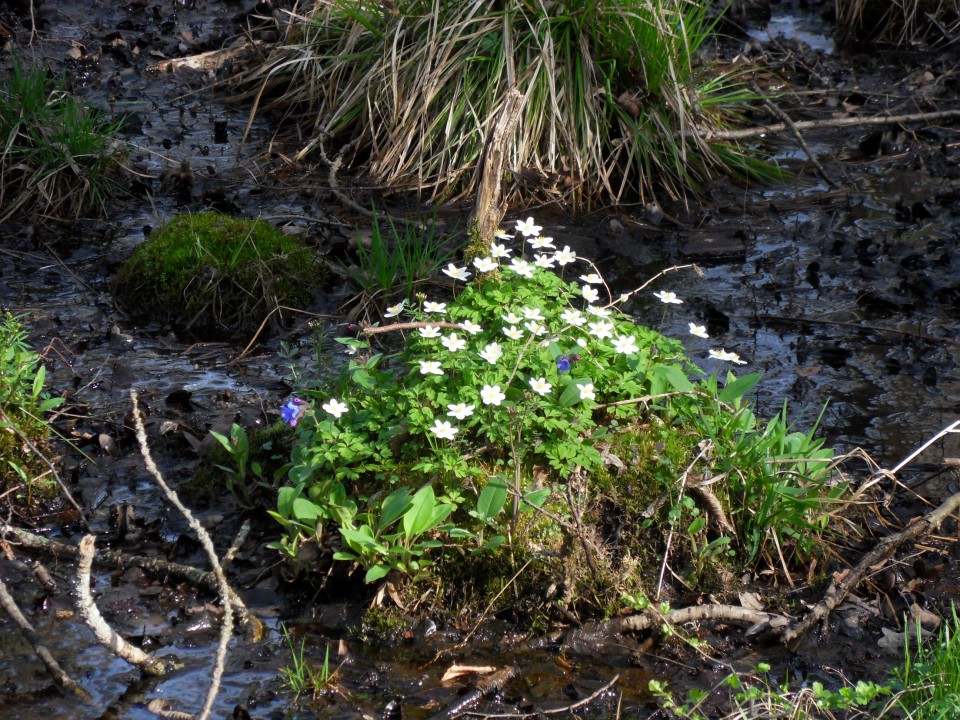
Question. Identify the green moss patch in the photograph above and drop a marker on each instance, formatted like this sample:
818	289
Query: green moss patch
213	274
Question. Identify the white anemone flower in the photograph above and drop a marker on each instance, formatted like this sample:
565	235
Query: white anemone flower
592	279
625	344
565	256
727	357
395	310
485	264
434	307
699	330
668	298
492	395
460	411
430	367
513	332
589	294
335	407
453	342
528	227
499	251
471	327
587	392
492	352
429	331
540	386
444	430
572	316
456	273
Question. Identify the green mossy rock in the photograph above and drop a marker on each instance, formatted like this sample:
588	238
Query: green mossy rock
212	274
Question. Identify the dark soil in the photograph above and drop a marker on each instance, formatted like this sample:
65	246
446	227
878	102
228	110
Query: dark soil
844	293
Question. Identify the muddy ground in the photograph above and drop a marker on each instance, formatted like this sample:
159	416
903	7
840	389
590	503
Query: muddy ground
843	290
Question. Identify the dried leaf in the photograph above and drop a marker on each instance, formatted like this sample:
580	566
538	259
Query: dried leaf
751	601
455	672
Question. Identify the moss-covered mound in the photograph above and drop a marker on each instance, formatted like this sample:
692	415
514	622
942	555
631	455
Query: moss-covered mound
209	273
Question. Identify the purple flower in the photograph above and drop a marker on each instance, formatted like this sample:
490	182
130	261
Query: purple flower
564	362
292	410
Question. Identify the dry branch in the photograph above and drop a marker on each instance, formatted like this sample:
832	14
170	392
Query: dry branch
777	128
60	677
226	627
105	634
253	628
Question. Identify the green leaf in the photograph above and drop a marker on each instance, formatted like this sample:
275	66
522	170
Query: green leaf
306	511
38	381
285	498
491	500
223	440
536	498
697	525
736	389
418	518
675	376
395	505
376	572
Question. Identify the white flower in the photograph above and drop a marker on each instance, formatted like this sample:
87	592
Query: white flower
521	267
456	273
429	331
592	279
698	330
535	328
565	256
491	395
460	411
453	342
434	307
513	332
586	392
626	344
443	430
582	342
485	264
430	367
540	386
335	407
601	330
511	318
625	297
395	310
727	357
350	350
492	352
532	313
528	227
573	317
667	297
544	261
502	235
589	294
538	243
499	251
599	311
471	327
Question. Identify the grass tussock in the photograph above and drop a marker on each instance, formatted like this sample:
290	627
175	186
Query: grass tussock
58	159
898	22
613	92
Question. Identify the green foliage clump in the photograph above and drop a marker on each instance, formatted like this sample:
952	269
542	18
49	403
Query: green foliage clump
492	426
213	273
616	98
58	159
22	405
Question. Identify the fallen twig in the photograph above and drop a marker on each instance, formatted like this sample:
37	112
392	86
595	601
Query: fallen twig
253	628
569	708
485	687
58	674
831	122
226	627
839	589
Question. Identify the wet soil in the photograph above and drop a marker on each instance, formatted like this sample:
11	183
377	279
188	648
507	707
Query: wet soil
844	294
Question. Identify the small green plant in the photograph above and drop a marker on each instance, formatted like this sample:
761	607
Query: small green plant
500	398
930	675
395	265
23	403
244	476
57	158
617	98
217	274
300	677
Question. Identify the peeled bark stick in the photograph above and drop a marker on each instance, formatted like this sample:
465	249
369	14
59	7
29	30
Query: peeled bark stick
226	627
105	634
63	681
